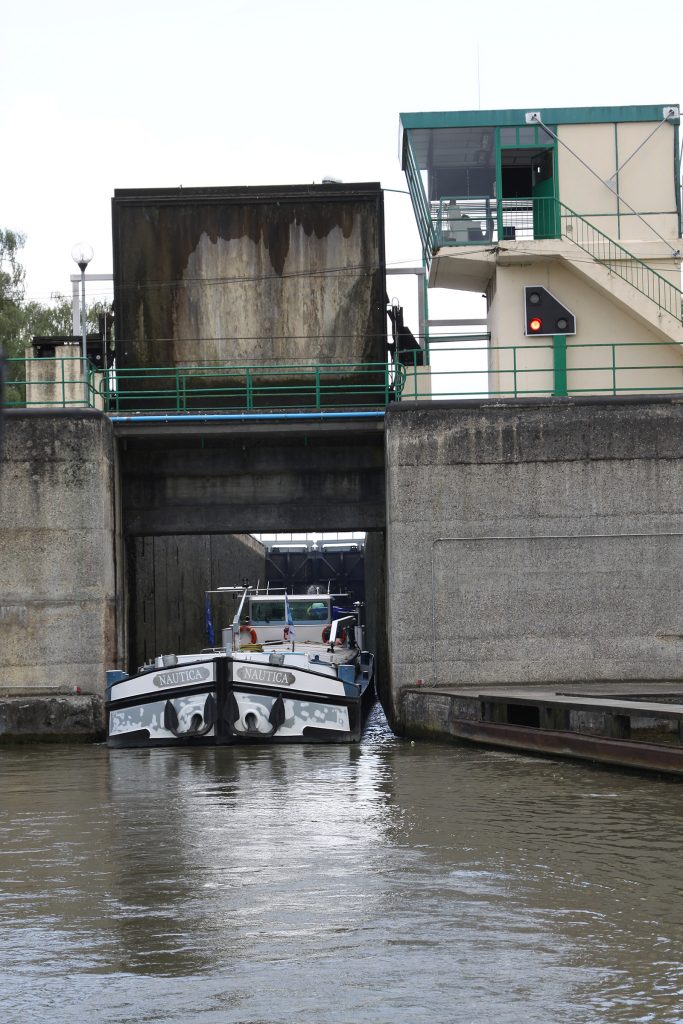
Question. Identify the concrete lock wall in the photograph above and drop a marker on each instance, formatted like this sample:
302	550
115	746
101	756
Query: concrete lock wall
58	611
534	542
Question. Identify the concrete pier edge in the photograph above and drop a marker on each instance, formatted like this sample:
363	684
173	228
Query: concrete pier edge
588	734
52	718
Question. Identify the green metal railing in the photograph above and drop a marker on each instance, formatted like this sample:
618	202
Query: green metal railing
552	366
478	220
249	388
56	383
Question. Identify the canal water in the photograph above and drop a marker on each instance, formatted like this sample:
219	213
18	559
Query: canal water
382	882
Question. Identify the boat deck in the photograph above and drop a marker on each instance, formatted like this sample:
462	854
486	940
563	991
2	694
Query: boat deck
310	649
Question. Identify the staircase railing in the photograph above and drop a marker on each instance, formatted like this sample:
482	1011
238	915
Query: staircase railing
466	220
621	262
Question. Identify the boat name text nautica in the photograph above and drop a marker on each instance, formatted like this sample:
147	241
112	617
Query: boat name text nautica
251	674
195	674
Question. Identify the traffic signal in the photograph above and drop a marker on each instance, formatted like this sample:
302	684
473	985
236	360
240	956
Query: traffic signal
544	315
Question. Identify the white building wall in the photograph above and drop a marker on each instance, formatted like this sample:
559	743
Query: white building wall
646	183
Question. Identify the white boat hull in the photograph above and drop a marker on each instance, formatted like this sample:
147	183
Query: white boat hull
228	699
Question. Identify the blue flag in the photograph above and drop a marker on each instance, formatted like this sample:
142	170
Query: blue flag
209	624
289	619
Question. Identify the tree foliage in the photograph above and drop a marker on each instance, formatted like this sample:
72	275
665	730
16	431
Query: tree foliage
47	320
11	287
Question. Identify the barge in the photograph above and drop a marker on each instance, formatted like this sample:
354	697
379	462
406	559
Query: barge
278	690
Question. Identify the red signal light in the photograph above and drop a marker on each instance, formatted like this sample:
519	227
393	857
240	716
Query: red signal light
535	324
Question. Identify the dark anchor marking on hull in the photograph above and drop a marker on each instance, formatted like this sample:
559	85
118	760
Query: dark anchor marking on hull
195	728
231	714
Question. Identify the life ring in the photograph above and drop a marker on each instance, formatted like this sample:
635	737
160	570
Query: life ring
341	637
251	631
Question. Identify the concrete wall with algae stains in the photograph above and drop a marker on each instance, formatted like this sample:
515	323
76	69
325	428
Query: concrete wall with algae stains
249	275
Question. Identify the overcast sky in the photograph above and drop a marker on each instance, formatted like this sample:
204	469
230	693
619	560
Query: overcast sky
143	93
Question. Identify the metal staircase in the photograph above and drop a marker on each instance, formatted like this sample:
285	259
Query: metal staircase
615	258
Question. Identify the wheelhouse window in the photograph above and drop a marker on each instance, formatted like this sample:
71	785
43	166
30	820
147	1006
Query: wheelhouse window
271	611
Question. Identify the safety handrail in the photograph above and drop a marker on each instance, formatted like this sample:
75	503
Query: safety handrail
533	370
248	387
457	371
477	220
58	383
620	261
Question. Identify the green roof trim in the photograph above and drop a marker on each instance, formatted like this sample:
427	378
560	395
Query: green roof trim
549	115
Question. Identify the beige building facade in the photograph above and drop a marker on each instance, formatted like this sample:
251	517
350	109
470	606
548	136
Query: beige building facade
584	203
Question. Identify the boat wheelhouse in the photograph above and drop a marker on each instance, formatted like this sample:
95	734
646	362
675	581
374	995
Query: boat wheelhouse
275	615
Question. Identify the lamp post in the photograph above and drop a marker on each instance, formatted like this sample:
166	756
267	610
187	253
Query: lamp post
81	254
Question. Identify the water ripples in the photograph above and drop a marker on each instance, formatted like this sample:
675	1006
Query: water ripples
385	882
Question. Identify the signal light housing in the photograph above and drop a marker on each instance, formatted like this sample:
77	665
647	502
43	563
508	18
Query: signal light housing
545	315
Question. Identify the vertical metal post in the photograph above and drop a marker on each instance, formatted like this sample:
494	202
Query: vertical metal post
422	327
499	186
560	364
75	317
84	336
423	310
81	254
250	388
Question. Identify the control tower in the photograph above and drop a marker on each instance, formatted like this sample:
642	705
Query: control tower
568	220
